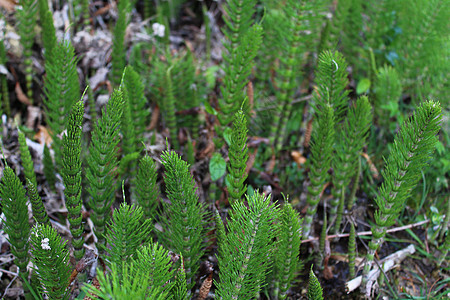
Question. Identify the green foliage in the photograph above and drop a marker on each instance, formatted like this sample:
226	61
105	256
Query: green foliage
48	30
102	161
286	255
321	151
125	233
154	260
238	156
14	204
388	90
62	90
352	251
125	282
349	143
410	153
298	20
71	173
423	47
331	81
314	289
237	68
245	248
169	109
26	17
51	259
49	168
136	102
27	162
147	191
238	19
39	212
183	220
180	289
118	49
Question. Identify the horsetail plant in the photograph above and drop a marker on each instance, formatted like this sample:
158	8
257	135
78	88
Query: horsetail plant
292	45
71	173
26	16
14	204
321	151
118	49
48	30
62	89
39	212
410	153
238	65
27	162
125	233
102	162
352	251
183	220
238	158
169	109
314	289
147	191
51	260
245	248
286	256
349	143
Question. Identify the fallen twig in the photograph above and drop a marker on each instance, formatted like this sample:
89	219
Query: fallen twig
369	232
387	263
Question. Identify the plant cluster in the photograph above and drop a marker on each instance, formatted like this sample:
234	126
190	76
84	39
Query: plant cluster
181	232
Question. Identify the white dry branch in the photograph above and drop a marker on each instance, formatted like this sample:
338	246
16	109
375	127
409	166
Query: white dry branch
387	263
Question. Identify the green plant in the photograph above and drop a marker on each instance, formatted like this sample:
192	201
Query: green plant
118	49
243	41
102	161
296	32
238	158
27	162
349	143
183	220
314	289
244	249
51	259
147	192
125	282
410	153
48	30
14	204
388	90
321	151
27	21
125	233
169	109
39	212
62	90
352	251
71	173
287	249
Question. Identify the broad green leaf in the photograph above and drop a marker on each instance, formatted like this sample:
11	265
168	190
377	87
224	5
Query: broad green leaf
217	166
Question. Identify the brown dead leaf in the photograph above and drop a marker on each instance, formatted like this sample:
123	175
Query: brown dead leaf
251	160
43	136
372	167
271	165
299	159
308	132
154	119
9	5
21	95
